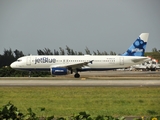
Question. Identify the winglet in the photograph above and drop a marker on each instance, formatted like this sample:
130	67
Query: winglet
138	47
91	61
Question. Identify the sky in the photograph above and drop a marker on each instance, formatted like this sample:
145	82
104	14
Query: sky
104	25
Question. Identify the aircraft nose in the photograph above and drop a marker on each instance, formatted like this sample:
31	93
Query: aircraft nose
13	65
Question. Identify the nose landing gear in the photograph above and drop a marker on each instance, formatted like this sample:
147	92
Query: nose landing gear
29	74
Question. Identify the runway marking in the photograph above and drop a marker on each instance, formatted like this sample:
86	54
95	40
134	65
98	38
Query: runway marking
83	78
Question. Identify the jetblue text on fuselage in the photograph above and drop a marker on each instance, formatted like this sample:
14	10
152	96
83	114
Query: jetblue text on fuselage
45	60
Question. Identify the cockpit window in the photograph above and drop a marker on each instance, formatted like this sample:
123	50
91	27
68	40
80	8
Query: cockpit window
19	60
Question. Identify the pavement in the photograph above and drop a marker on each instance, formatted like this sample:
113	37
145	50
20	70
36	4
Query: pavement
81	83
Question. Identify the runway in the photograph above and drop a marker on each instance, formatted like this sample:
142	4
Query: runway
80	83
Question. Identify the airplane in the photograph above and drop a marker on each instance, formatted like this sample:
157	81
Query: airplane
67	64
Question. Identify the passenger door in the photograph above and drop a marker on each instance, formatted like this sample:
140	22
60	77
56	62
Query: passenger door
28	62
121	60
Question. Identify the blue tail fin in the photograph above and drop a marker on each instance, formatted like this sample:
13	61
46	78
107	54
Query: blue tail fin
138	47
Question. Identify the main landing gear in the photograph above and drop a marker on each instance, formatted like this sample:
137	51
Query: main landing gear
77	75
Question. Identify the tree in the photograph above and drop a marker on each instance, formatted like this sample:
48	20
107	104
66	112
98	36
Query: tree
7	58
68	50
72	52
154	50
87	51
56	52
40	52
105	53
75	53
61	51
98	52
45	51
80	53
114	53
111	53
94	53
48	51
18	54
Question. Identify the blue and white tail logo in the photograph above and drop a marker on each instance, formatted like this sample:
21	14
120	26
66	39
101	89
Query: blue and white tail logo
138	47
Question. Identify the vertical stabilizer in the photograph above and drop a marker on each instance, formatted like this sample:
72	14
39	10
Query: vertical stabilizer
138	47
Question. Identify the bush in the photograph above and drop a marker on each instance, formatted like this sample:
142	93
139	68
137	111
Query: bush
10	112
9	72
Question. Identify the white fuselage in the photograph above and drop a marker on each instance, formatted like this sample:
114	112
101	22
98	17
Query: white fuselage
45	62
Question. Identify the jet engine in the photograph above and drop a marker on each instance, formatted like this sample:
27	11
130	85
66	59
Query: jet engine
59	71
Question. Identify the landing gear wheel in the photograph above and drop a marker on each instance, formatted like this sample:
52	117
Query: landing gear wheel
77	75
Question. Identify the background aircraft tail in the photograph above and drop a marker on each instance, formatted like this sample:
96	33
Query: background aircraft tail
138	47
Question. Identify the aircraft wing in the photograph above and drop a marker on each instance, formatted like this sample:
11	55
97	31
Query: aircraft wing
74	65
139	60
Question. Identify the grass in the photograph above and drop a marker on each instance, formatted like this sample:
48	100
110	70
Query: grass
64	101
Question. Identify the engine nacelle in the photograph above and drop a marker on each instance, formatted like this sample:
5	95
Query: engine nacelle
59	71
